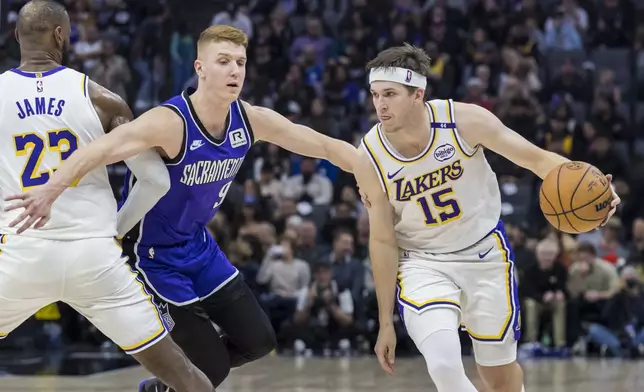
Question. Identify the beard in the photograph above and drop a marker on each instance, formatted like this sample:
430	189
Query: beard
64	58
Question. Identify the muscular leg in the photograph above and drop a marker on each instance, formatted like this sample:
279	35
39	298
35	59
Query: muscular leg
166	360
234	309
113	298
195	334
435	333
249	334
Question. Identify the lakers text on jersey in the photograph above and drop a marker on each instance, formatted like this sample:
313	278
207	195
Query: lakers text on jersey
446	198
447	209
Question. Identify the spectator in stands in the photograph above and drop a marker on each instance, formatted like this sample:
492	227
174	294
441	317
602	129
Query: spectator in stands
269	186
475	93
90	48
523	255
607	86
324	316
309	247
569	80
348	271
319	44
112	70
544	291
561	127
621	328
285	277
606	120
561	33
591	282
182	52
607	241
240	255
147	56
603	155
575	15
236	15
308	186
518	109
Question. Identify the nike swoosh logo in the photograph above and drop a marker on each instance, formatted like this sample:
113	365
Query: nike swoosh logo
482	255
390	176
195	146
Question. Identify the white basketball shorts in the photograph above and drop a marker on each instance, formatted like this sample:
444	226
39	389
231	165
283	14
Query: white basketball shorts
90	275
478	282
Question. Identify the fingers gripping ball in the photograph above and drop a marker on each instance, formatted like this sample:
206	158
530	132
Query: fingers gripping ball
575	197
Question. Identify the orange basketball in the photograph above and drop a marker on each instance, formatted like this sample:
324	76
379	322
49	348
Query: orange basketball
575	197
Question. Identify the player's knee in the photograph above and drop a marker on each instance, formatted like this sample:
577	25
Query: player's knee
444	367
265	342
503	378
442	353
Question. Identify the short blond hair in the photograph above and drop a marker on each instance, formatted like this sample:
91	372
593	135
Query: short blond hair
222	33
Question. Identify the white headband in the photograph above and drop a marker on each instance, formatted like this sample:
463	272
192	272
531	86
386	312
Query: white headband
398	75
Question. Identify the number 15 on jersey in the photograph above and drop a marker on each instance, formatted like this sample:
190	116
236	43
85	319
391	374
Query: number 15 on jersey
446	206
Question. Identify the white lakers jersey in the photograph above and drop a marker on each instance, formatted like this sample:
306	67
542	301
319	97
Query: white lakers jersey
445	199
44	118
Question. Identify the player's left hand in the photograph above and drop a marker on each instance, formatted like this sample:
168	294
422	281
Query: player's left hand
37	207
615	202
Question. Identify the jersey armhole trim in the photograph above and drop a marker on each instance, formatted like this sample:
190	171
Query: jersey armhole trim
246	121
376	164
85	92
182	152
88	99
461	144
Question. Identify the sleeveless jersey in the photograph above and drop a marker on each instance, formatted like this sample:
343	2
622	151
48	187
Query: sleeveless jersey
445	199
200	177
44	118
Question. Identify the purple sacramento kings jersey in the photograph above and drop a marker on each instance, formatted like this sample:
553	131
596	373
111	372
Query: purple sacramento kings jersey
171	246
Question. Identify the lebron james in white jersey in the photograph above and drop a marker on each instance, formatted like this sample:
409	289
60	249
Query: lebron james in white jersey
47	111
437	244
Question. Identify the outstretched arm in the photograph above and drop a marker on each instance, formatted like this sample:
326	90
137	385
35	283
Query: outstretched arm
272	127
152	178
158	127
154	128
479	126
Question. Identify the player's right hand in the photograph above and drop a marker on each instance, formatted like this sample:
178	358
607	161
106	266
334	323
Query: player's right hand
37	207
386	348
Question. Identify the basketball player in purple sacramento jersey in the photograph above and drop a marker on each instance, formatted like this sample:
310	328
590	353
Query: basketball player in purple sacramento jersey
203	136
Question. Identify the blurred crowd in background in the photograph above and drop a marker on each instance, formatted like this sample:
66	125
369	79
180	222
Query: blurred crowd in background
567	75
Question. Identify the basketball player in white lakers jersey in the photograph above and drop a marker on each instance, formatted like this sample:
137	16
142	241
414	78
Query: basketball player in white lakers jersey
47	111
436	239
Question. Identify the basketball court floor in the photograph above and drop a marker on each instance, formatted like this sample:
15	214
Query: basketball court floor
277	374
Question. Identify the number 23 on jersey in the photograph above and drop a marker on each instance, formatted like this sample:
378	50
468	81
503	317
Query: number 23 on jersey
33	148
